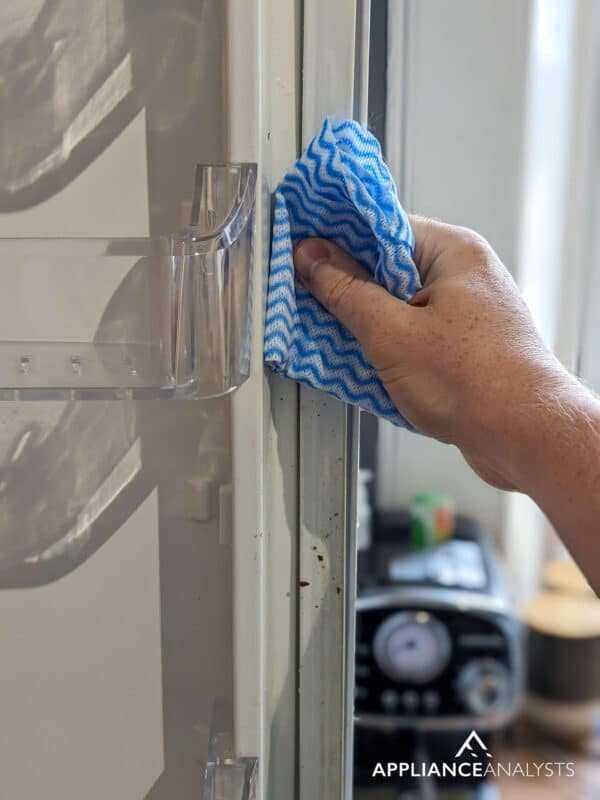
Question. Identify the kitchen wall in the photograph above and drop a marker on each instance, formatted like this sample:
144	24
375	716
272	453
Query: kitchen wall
456	103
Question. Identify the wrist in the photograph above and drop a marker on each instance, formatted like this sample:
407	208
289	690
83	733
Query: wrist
528	425
551	424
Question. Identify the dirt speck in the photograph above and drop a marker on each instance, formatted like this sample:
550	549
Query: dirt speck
302	584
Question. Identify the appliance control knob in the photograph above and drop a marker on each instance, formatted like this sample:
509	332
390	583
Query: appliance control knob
485	686
390	700
410	701
431	701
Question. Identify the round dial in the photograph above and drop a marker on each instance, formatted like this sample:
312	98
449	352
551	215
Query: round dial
414	647
485	686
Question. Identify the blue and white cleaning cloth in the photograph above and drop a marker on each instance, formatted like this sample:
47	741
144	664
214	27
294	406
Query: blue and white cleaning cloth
342	190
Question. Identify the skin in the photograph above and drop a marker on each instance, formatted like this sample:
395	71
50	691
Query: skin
464	363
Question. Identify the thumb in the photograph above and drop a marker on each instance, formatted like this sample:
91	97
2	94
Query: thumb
346	289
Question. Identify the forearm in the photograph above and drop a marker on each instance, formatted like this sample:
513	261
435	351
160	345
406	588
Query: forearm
560	470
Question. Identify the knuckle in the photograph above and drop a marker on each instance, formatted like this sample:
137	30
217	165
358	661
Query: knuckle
476	243
475	250
433	228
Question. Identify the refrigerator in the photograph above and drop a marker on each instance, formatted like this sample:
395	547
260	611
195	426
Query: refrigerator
177	526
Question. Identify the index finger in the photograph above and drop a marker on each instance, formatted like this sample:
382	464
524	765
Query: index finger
431	238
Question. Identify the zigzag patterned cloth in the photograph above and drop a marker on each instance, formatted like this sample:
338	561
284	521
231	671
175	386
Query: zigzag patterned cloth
342	190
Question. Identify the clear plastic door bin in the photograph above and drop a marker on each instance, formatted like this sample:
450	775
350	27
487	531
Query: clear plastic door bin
161	317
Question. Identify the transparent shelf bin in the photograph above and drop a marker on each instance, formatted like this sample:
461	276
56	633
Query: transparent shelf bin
235	779
160	317
227	776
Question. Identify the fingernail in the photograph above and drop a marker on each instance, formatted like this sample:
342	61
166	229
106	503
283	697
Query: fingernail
307	255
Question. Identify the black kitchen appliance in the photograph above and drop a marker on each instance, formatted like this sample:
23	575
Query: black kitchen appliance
438	645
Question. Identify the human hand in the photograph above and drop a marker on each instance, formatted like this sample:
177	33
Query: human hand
462	361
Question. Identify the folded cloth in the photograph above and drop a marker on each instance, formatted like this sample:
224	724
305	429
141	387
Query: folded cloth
342	190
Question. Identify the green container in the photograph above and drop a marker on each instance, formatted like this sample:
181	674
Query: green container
432	519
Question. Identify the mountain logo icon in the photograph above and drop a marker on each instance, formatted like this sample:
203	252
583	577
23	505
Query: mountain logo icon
474	739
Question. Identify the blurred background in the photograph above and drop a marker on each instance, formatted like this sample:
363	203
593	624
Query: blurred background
486	624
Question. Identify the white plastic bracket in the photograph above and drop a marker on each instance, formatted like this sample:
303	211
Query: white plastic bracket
198	502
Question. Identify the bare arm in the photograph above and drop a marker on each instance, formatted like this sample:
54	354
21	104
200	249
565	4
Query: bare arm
559	465
465	364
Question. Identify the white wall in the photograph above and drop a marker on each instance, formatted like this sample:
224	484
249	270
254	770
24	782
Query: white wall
584	206
557	269
456	106
455	132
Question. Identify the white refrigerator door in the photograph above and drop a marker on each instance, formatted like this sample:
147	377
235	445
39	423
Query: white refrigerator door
113	666
165	649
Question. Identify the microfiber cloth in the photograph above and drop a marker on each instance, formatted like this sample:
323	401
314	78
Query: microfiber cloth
340	189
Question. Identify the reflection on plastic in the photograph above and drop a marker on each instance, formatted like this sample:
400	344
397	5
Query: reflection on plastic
53	494
122	474
70	473
75	74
